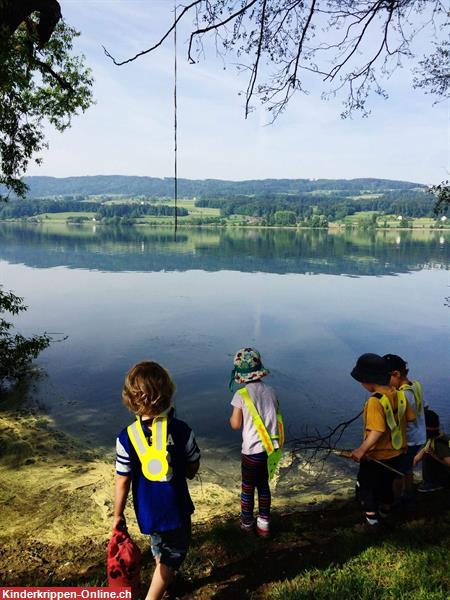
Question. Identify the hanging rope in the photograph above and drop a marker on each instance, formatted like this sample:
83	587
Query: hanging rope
175	117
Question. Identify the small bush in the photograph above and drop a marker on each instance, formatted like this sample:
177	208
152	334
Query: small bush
16	351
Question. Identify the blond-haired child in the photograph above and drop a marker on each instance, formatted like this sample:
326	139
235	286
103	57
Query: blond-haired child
162	504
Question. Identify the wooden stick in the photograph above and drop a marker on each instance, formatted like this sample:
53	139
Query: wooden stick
387	467
348	454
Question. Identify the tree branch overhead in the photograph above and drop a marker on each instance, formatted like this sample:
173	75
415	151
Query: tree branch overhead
351	45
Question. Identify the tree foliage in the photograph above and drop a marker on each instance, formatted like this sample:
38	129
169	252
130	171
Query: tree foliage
442	195
350	45
285	217
334	206
138	210
16	351
109	187
40	81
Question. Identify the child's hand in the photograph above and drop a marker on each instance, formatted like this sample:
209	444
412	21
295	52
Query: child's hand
357	454
418	457
119	523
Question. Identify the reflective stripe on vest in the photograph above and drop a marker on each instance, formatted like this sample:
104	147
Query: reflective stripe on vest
416	388
395	428
280	428
273	455
153	457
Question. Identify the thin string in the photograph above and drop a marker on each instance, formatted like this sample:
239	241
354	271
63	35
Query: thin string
175	119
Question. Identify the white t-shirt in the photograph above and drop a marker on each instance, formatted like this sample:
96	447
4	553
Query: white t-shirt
265	402
416	433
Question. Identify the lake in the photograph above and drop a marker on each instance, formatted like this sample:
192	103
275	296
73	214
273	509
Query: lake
311	301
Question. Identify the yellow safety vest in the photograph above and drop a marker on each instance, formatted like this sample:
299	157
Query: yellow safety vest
394	425
153	457
273	454
416	389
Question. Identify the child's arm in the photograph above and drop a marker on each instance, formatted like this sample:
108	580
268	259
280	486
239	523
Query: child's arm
192	469
370	441
419	456
121	489
236	418
192	456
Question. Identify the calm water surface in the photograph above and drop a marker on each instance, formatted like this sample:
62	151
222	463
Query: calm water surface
310	301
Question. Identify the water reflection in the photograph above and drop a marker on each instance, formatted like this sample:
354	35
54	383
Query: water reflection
125	294
351	253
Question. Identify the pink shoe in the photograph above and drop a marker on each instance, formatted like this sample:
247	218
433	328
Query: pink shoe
247	527
262	527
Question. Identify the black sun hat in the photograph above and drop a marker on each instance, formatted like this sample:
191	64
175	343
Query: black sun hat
371	368
431	422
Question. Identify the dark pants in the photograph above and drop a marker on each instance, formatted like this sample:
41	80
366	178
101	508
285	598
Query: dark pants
435	472
255	475
374	484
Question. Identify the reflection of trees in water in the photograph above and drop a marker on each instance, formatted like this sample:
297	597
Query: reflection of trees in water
268	250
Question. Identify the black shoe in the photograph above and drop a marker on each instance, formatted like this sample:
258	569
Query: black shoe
428	486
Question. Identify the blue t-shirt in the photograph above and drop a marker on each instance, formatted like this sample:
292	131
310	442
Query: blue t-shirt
160	505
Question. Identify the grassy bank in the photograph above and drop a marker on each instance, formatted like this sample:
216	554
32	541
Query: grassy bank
55	499
311	556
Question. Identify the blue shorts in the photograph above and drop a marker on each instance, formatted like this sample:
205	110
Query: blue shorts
170	547
408	458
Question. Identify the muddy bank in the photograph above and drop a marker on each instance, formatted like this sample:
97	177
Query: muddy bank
56	508
56	497
52	488
56	488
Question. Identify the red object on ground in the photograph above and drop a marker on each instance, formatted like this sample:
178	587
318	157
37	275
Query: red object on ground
124	562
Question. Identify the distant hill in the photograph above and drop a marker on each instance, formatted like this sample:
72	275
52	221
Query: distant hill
163	188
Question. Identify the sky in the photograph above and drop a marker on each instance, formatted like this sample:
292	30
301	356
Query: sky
129	131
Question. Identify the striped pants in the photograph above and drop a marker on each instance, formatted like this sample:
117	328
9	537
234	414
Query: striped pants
254	475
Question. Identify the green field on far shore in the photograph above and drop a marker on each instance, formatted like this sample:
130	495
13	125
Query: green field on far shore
199	215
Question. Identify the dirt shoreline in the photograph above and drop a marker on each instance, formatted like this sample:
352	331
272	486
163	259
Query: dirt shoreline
56	498
56	506
54	484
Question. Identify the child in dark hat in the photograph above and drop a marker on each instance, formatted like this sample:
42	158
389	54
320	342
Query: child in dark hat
385	415
415	430
435	456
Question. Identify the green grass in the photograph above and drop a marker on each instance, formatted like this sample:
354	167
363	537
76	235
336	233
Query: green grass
413	564
367	196
389	221
189	204
154	220
63	216
424	222
377	574
196	213
363	214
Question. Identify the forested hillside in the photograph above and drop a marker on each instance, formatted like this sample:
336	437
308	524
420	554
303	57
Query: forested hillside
163	187
334	205
270	202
